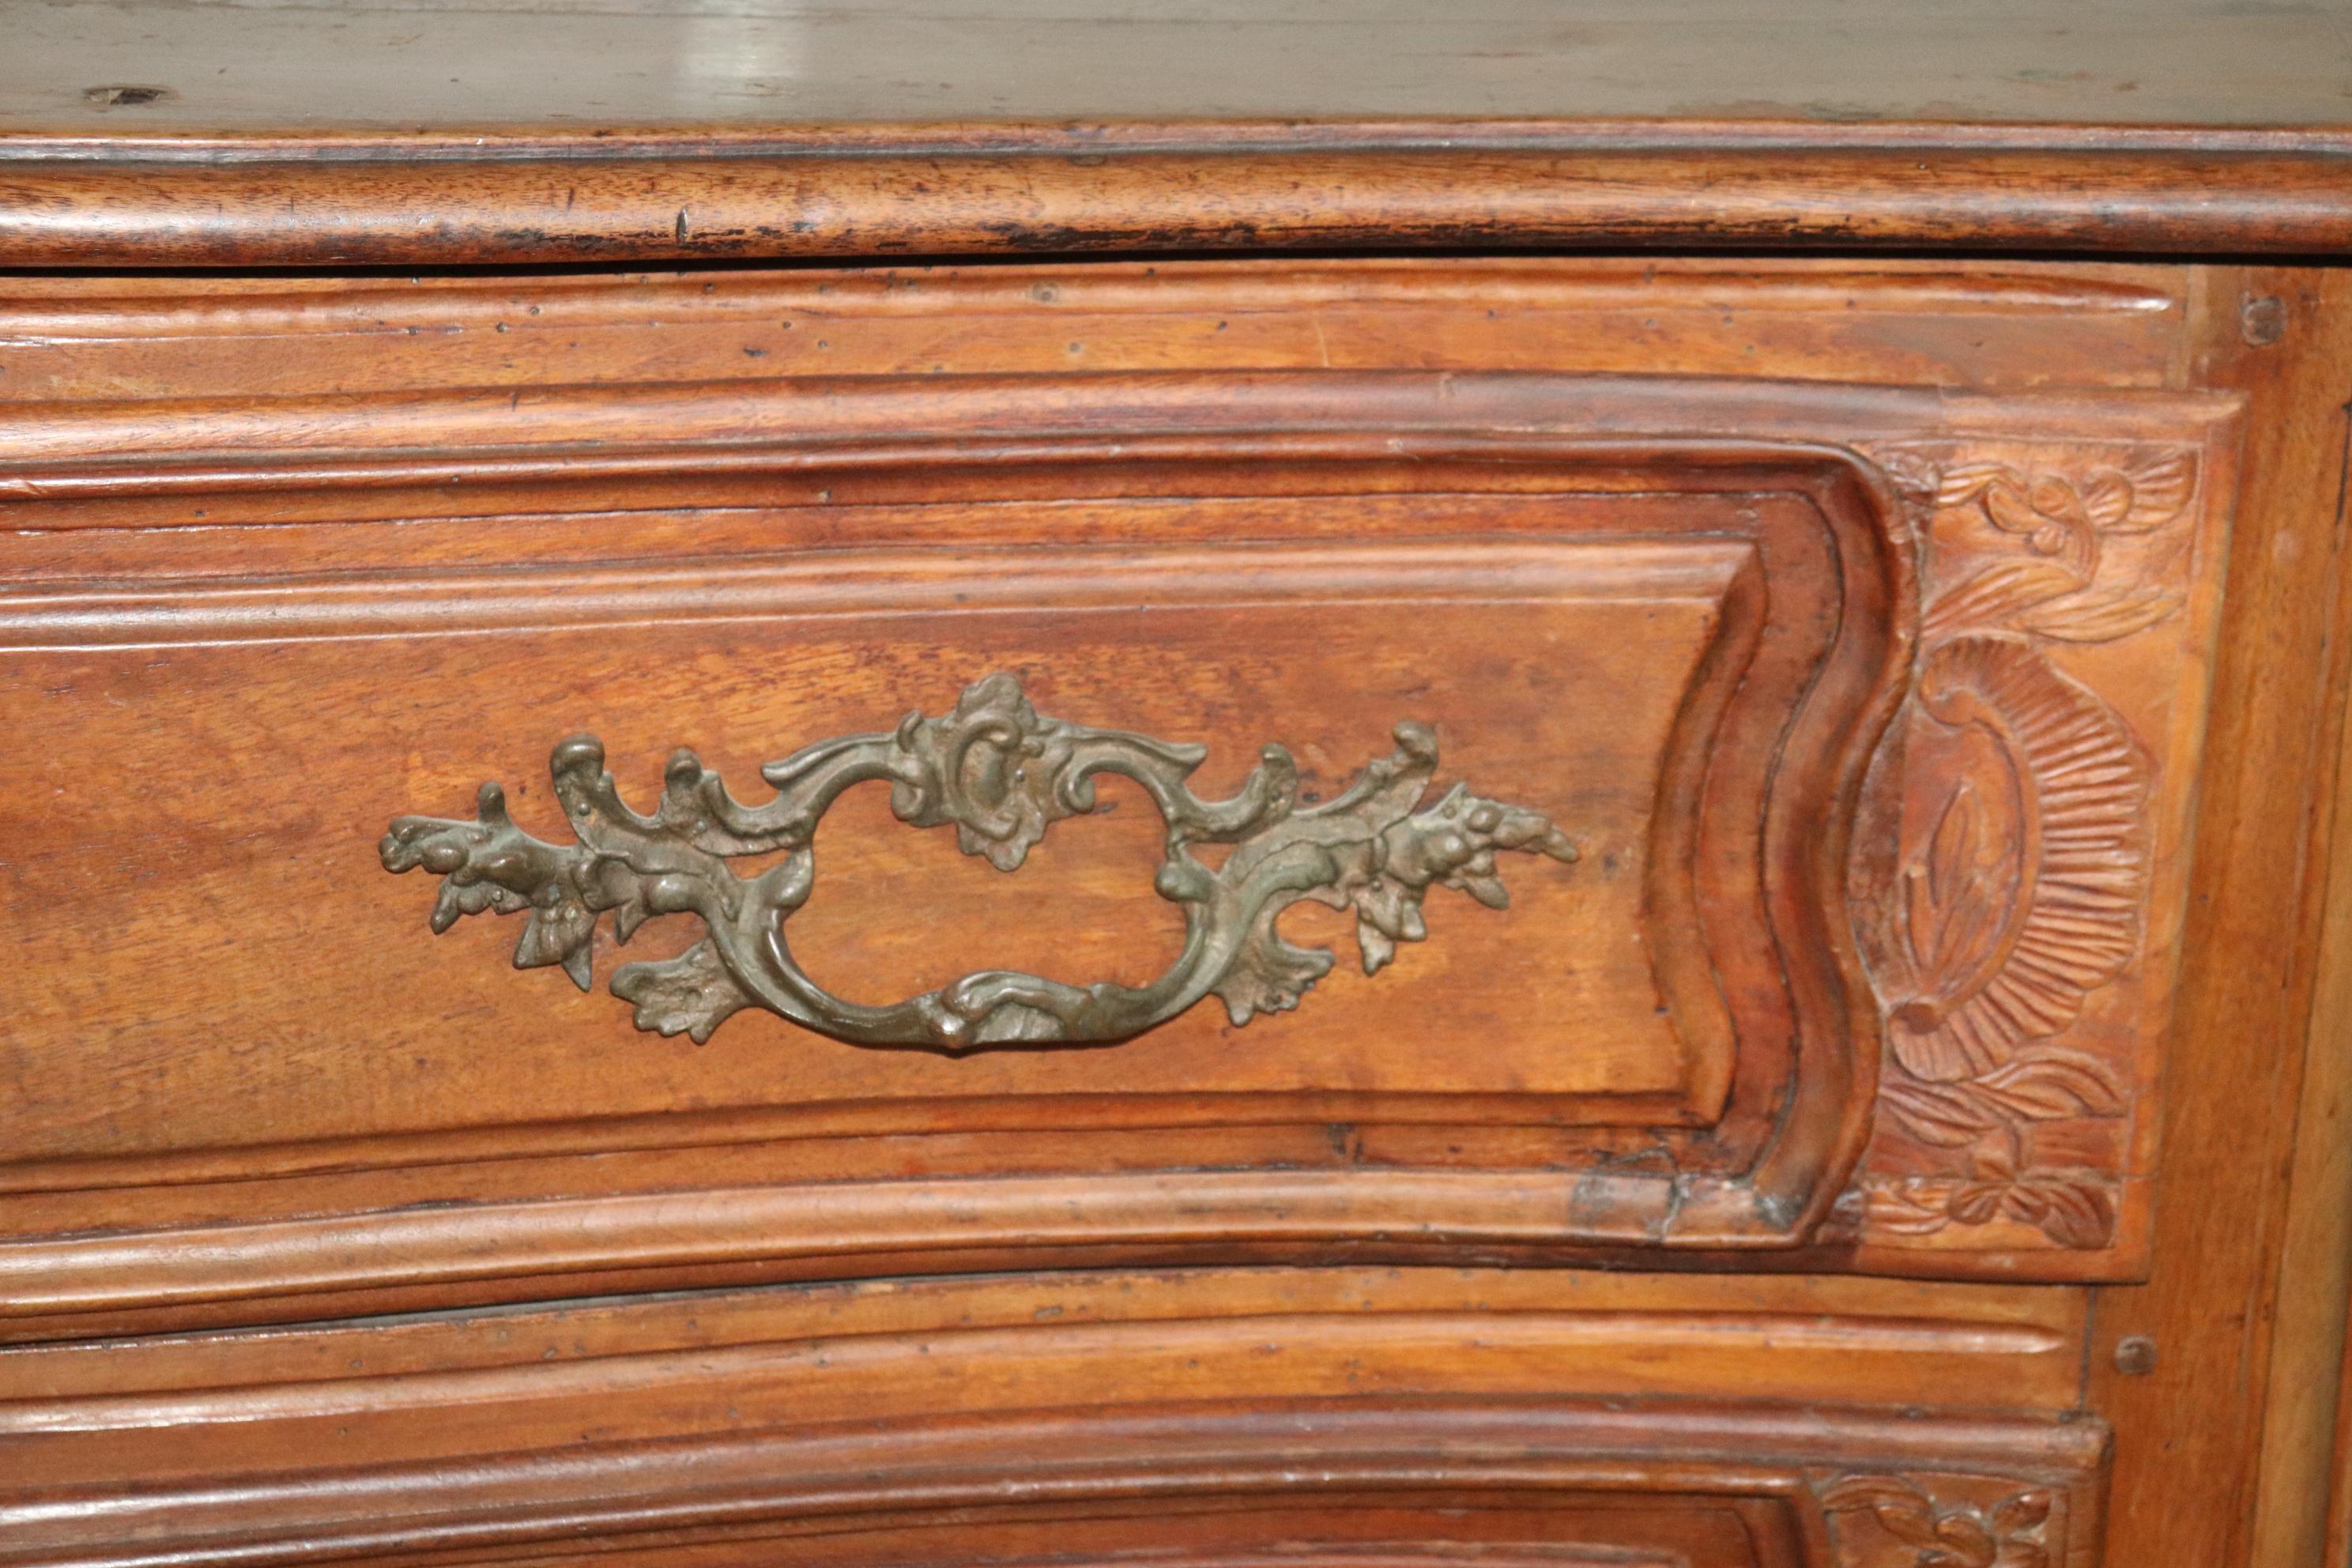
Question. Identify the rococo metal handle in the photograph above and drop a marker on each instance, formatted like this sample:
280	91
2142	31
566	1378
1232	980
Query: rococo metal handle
1001	774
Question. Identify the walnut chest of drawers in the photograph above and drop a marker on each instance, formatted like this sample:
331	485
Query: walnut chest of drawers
1001	790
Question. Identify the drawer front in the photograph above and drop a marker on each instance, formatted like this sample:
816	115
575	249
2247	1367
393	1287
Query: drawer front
1245	1416
1124	815
1207	1484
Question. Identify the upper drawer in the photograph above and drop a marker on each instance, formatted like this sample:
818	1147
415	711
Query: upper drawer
1430	813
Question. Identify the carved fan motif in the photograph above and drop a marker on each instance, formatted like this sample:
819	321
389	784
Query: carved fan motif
2011	932
2024	804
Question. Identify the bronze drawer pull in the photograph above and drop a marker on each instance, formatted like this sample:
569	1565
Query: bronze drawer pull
1001	774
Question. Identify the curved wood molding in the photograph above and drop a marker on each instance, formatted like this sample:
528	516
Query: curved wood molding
1834	1489
1026	1406
878	191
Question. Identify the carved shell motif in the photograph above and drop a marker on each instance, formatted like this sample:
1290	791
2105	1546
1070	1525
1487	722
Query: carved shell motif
2026	895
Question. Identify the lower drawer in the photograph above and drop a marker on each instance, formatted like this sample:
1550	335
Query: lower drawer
1256	1416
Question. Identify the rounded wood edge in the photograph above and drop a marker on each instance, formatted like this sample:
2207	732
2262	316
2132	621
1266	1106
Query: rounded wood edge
1755	1216
663	195
932	1471
280	1269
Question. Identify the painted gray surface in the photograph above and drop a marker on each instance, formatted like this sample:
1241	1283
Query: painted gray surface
242	65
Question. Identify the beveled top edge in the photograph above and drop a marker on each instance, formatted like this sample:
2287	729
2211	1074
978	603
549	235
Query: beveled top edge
715	141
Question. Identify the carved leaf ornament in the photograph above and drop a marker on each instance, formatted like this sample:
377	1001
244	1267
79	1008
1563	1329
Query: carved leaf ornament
2061	590
1936	1535
1000	773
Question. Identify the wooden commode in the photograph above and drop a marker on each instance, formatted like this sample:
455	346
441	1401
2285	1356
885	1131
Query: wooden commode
1174	787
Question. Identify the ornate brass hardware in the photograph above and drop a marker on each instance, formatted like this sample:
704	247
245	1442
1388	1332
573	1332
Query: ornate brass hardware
1001	774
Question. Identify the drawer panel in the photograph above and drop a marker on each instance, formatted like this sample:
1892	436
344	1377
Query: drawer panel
1197	644
1368	1483
1870	716
1244	1417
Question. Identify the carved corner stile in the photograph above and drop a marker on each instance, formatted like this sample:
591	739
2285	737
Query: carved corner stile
2022	801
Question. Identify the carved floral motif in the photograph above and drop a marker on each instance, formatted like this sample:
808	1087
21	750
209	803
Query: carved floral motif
2021	883
1912	1528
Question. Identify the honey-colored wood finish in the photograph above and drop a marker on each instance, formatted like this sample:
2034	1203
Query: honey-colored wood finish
1716	611
2338	1539
202	133
371	486
2233	1111
1851	1080
1613	1413
929	190
2304	1428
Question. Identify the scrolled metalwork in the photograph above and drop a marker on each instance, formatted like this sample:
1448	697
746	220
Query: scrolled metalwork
1001	774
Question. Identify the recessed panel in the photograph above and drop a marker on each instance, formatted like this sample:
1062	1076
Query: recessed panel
1549	674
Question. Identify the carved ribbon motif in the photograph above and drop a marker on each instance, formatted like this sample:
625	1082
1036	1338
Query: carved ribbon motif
1000	773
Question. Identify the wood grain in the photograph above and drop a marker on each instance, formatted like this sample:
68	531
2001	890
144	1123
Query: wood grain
226	482
1982	326
858	1411
1432	185
631	547
2305	1420
1851	1487
295	617
2207	1310
2337	1541
1808	533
